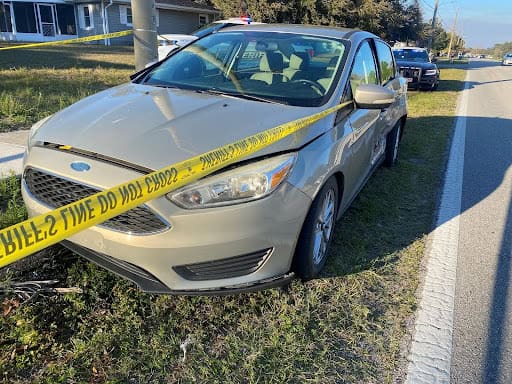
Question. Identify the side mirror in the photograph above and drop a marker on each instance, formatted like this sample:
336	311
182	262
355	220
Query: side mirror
372	96
434	59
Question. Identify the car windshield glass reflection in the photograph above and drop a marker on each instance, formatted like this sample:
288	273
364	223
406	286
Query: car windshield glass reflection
419	55
210	28
286	68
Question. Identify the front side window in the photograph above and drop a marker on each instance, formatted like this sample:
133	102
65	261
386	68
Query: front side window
364	70
386	62
263	65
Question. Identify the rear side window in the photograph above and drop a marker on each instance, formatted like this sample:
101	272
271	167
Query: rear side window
386	63
364	70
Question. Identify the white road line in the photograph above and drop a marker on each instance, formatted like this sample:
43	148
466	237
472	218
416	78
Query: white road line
431	349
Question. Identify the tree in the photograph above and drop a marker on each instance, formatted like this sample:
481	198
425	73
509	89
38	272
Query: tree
393	20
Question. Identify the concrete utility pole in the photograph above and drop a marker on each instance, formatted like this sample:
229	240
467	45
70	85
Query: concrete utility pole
453	34
431	38
144	32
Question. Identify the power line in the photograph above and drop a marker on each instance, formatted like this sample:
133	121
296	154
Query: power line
427	4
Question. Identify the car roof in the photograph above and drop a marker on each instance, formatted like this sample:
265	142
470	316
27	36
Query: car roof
235	20
316	30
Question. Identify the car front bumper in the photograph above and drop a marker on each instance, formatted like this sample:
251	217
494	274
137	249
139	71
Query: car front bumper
203	251
417	79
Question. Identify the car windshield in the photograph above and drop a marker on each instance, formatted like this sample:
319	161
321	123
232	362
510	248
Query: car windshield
286	68
419	55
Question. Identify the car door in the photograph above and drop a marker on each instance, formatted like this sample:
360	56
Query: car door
362	121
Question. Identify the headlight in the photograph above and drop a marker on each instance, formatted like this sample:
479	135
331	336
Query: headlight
430	72
242	184
33	131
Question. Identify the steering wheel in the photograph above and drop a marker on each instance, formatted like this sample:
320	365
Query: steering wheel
313	84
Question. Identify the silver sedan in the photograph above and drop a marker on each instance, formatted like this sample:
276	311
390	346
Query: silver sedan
248	226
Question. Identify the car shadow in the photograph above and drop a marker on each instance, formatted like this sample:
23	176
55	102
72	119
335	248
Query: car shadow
457	84
496	339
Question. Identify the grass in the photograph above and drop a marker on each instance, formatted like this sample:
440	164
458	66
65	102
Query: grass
346	327
40	81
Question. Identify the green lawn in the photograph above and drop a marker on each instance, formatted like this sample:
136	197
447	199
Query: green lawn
346	327
40	81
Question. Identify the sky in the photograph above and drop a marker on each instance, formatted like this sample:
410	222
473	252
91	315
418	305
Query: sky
482	23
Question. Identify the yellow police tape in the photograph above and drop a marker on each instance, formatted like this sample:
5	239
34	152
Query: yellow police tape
27	237
69	41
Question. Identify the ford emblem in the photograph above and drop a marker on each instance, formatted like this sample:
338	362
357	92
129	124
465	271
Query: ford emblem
80	166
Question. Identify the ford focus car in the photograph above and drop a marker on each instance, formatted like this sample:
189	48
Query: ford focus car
253	224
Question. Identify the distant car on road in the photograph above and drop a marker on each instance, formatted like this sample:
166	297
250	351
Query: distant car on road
415	65
507	59
169	42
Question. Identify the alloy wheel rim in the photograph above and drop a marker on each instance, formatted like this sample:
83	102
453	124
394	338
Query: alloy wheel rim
323	228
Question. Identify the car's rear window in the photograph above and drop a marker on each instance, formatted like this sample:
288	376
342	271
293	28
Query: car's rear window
288	68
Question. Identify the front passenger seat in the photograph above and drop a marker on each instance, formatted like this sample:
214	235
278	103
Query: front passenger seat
271	69
298	67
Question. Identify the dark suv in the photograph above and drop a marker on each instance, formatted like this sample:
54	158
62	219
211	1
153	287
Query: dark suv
415	65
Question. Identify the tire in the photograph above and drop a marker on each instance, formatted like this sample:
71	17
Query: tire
316	234
392	143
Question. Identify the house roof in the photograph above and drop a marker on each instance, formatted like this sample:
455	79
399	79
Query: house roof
186	4
178	5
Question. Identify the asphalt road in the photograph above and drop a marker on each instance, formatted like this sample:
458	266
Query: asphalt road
482	335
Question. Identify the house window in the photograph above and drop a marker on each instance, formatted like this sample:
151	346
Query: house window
85	13
5	17
125	14
203	20
66	19
129	18
25	17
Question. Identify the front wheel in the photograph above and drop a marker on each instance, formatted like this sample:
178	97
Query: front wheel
316	234
392	142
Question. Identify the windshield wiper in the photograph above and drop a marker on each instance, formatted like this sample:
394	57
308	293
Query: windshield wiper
240	96
162	85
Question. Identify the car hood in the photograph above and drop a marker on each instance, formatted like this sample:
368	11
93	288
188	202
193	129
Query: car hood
416	64
154	127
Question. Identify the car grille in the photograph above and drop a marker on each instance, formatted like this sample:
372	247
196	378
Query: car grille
224	268
411	73
56	192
